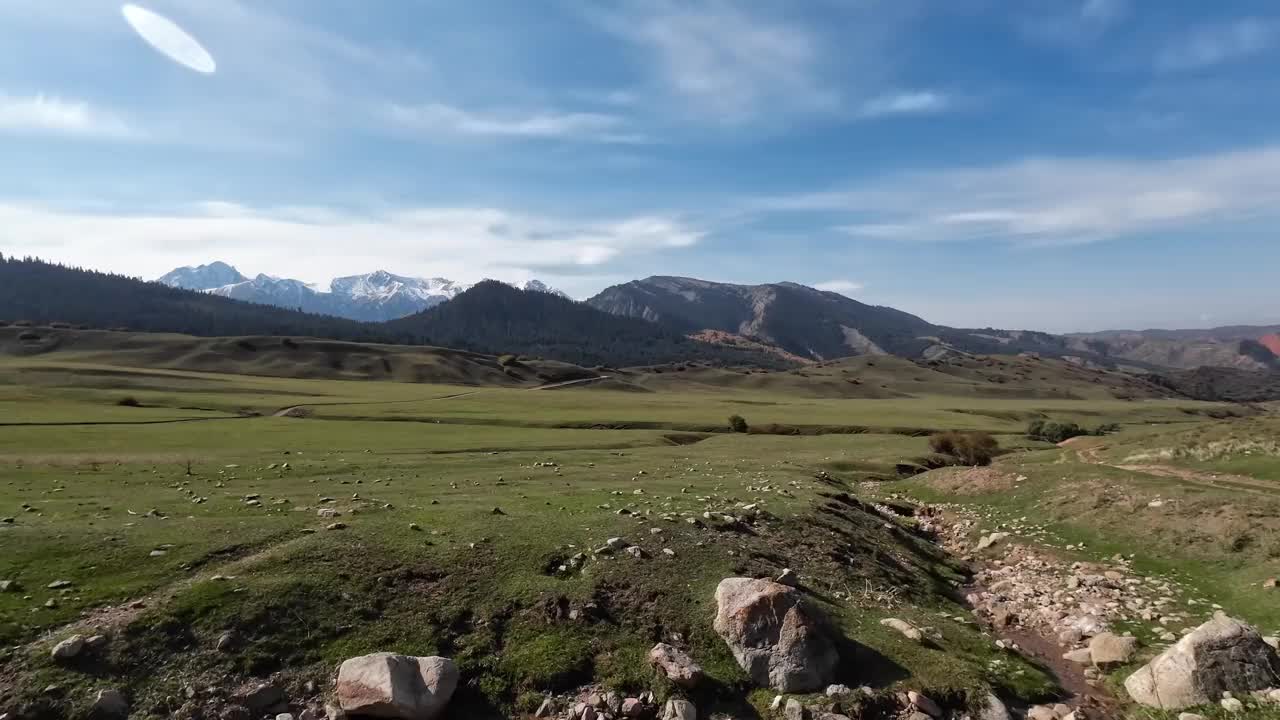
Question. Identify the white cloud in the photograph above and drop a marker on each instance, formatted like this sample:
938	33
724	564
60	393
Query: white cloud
843	287
53	115
316	244
728	60
1055	200
920	102
1215	44
447	119
1103	11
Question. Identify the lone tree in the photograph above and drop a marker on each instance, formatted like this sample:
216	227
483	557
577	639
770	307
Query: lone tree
737	424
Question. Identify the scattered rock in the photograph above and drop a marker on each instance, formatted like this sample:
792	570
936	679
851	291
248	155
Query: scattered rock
396	686
226	641
1190	716
10	586
788	577
69	648
911	632
793	710
59	584
96	642
680	710
995	709
260	699
109	704
1107	650
1081	656
336	526
924	704
1223	654
496	511
775	635
1232	705
676	665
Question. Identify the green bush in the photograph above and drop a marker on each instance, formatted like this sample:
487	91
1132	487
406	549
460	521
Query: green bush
1056	432
970	448
129	401
738	424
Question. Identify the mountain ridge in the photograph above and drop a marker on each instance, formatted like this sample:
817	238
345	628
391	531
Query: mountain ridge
376	296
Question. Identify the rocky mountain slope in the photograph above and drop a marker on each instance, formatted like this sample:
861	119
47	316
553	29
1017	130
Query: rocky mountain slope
371	297
819	325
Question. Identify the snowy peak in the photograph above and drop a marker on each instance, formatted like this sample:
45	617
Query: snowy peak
377	296
382	286
202	277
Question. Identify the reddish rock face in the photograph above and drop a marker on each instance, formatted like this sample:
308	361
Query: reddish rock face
1271	342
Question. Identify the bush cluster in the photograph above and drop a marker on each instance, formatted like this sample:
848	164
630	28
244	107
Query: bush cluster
1056	432
970	448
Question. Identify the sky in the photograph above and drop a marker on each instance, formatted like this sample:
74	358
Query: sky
1061	165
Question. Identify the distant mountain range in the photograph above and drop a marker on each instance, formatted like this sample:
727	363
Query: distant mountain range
373	297
656	320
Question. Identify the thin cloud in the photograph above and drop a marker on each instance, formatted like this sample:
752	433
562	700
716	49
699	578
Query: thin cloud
443	118
1054	201
315	243
921	102
1216	44
44	114
727	60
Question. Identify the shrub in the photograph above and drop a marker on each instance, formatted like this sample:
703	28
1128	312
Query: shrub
970	448
128	401
289	343
1056	432
738	424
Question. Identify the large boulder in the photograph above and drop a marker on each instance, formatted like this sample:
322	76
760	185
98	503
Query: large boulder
1221	655
777	637
387	685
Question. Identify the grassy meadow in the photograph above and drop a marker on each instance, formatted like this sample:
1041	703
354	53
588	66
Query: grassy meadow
181	506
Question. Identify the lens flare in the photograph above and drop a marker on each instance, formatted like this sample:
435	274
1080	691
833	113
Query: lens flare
168	39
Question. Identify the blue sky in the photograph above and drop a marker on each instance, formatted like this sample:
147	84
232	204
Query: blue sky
1048	164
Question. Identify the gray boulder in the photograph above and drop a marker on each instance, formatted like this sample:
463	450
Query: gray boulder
777	637
387	685
1221	655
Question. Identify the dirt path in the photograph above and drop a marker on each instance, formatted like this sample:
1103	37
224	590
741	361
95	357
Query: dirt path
1091	455
569	383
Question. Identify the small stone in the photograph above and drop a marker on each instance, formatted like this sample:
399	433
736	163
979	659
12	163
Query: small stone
788	577
496	511
10	586
924	704
68	648
1190	716
336	526
225	641
58	584
911	632
109	704
1081	656
1232	705
793	710
97	642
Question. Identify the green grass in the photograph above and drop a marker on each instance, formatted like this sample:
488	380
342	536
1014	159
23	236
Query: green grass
467	582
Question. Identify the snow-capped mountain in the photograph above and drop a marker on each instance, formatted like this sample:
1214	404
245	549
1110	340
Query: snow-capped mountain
374	297
202	277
